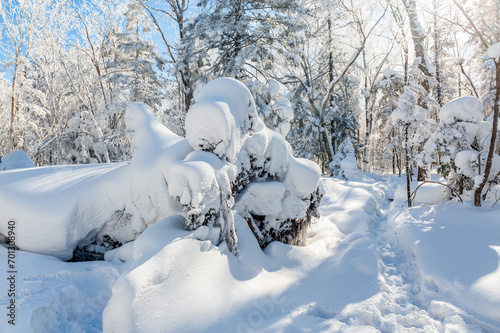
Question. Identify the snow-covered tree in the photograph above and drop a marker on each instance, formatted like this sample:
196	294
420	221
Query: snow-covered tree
134	62
385	144
412	122
250	167
461	134
344	164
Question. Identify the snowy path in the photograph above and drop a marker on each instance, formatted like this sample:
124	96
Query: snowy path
405	303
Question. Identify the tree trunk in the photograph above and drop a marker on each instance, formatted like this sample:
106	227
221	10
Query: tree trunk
437	64
408	167
489	160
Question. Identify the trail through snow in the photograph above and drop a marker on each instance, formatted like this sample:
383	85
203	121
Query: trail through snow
406	301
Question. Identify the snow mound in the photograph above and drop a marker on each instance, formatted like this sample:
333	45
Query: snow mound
16	160
156	150
55	296
466	109
105	206
223	113
57	209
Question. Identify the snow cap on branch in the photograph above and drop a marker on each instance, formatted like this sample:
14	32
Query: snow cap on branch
467	109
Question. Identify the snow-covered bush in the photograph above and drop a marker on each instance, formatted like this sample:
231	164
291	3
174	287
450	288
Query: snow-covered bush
224	121
344	164
460	142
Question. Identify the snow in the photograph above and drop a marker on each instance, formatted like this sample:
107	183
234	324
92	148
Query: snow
429	193
466	161
457	248
265	198
216	132
56	296
302	175
16	160
466	109
56	207
156	150
211	291
368	265
494	51
344	163
388	72
237	97
274	87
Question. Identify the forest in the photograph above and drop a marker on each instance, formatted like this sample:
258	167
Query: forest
250	166
335	77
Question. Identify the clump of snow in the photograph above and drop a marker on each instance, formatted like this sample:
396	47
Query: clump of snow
59	208
274	88
494	51
303	176
467	162
16	160
467	109
389	72
156	150
408	110
263	198
105	206
284	112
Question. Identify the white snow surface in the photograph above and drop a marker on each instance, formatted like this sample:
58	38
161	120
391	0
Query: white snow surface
16	160
466	109
368	266
458	249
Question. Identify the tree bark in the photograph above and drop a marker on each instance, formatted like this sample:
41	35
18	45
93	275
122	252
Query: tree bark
491	151
408	168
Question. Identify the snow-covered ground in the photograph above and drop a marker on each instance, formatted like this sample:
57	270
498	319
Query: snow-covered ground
369	265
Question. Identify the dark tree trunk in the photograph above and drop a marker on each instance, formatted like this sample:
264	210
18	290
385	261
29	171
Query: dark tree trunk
489	160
